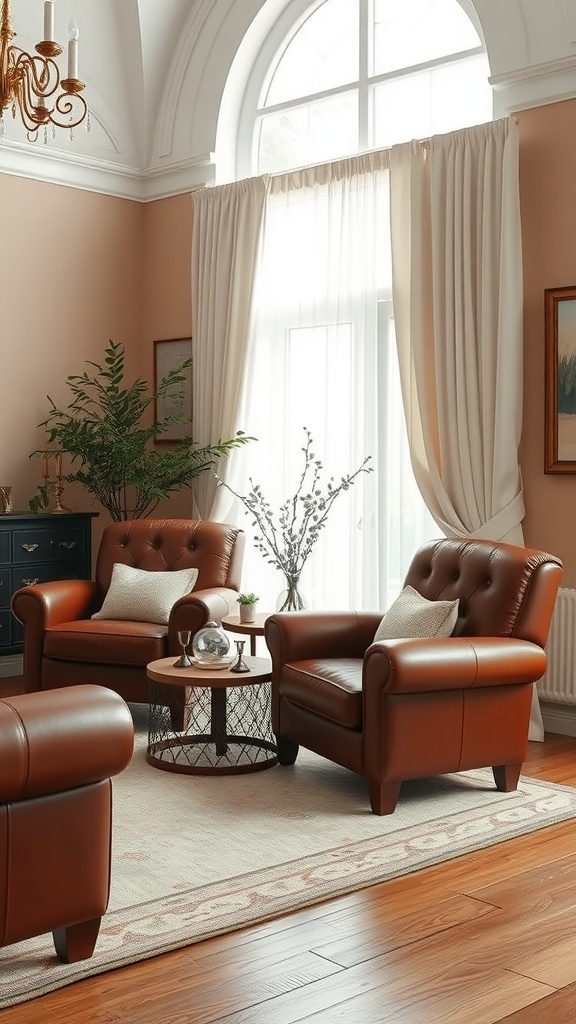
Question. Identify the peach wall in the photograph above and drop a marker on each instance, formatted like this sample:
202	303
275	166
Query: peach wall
166	294
76	270
71	279
547	183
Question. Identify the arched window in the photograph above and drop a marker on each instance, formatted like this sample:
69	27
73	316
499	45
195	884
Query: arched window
353	75
345	76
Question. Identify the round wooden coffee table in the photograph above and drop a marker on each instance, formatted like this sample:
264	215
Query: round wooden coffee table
210	721
232	624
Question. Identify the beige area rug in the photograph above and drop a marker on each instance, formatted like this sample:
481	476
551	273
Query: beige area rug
197	856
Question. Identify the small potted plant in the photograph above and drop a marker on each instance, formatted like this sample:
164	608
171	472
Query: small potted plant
247	603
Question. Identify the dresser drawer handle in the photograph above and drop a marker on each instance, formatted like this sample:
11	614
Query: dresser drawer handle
30	547
30	583
68	544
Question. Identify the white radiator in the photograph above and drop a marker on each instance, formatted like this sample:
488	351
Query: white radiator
558	684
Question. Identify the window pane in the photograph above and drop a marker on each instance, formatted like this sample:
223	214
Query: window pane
309	134
321	55
408	32
432	102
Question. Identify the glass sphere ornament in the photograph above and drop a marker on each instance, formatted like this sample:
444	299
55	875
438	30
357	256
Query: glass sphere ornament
211	645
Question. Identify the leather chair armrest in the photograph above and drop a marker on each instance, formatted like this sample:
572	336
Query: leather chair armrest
451	663
58	740
299	636
47	604
196	609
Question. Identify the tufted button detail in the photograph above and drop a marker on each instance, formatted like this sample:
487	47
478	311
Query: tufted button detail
457	574
488	583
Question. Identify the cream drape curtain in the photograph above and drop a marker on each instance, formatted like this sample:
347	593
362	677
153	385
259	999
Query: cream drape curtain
457	295
227	226
457	288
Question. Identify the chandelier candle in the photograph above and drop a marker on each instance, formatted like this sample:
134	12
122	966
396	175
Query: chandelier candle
48	20
30	84
73	49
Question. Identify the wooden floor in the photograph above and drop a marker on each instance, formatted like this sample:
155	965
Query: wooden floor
484	938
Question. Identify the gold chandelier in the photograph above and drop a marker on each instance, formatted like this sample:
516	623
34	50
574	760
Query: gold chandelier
31	84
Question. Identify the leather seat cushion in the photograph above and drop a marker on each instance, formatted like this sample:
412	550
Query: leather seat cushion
107	642
329	687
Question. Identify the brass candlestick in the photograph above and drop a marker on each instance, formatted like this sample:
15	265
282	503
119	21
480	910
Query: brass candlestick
58	487
239	665
55	485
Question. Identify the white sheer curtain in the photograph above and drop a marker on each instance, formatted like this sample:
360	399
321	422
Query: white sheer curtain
322	357
458	294
227	227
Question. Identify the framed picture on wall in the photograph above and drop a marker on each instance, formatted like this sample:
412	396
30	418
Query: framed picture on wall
560	380
169	355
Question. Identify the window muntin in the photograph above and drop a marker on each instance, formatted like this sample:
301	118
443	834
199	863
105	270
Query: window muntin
442	99
322	54
409	32
323	129
403	69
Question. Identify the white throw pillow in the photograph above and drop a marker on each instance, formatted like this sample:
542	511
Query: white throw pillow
142	596
412	615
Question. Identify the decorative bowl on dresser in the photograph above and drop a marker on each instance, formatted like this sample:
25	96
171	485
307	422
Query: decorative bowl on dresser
36	548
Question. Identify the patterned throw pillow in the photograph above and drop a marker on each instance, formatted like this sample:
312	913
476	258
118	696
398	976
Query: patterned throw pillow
142	596
412	615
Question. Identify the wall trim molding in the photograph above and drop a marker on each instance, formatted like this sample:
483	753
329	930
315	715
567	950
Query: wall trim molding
559	718
535	86
535	72
101	176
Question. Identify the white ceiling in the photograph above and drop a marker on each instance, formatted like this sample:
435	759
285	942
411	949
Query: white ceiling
155	71
126	51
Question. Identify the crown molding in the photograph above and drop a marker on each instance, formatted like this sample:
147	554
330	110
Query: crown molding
106	177
178	176
534	86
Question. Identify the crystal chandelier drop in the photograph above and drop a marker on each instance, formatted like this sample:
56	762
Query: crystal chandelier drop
31	84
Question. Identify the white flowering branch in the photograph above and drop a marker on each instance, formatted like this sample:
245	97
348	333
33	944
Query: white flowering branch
287	538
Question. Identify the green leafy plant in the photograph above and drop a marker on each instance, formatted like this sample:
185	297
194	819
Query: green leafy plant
247	598
41	500
102	430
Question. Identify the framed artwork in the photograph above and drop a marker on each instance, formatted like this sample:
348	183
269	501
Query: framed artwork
169	354
560	380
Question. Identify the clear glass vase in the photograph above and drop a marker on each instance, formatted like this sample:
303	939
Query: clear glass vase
291	598
210	645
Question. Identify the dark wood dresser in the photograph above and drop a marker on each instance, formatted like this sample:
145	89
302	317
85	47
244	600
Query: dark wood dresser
36	548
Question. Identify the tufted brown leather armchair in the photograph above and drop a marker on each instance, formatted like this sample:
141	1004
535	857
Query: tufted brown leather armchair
406	709
63	646
58	752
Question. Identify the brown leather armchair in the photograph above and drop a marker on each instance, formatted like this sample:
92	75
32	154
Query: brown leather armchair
63	646
406	709
57	754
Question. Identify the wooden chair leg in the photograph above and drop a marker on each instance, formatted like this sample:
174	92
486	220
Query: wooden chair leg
287	750
383	796
506	777
76	942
